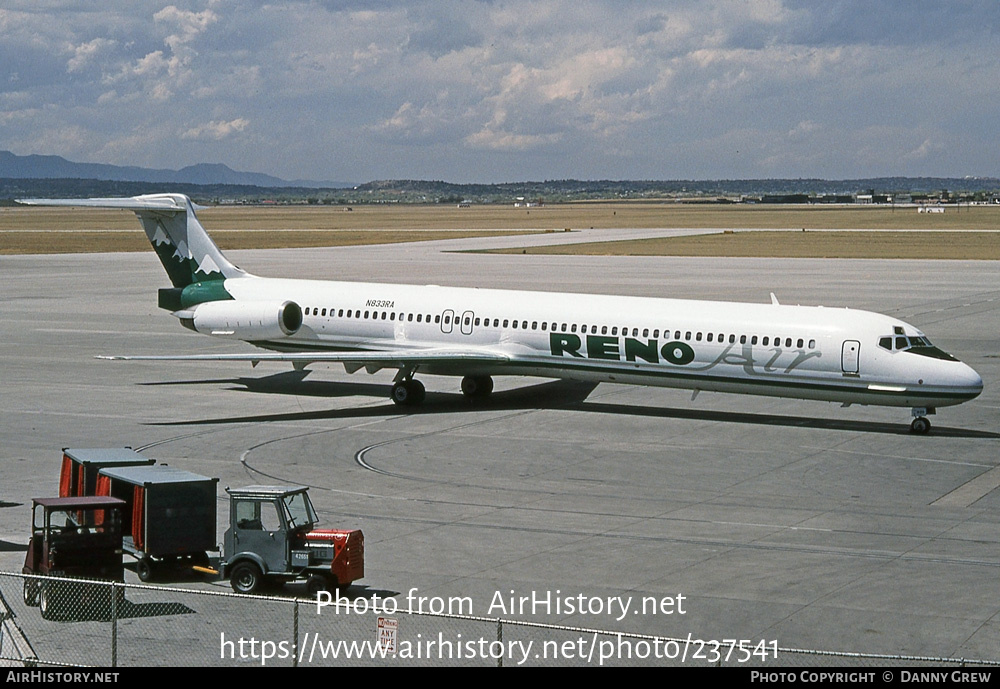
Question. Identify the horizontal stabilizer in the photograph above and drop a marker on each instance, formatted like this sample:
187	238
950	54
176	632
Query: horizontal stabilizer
150	202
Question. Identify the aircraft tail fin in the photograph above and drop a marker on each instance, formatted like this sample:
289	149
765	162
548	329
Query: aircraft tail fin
186	251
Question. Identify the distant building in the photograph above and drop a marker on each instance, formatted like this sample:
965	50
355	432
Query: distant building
521	202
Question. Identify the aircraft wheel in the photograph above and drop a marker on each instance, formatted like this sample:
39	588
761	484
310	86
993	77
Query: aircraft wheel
408	392
920	425
477	387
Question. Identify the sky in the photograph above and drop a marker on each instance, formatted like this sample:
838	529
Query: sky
472	91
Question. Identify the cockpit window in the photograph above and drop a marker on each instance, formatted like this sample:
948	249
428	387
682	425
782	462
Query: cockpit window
915	344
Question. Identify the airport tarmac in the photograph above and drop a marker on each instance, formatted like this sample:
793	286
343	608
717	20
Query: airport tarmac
816	526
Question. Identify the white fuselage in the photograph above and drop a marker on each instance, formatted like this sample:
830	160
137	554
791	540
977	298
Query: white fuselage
801	352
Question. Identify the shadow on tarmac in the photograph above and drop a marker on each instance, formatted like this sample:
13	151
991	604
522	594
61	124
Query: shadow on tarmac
559	394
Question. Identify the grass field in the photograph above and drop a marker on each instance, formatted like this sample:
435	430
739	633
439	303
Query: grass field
61	230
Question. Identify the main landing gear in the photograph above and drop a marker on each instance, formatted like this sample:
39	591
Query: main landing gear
409	392
921	425
477	387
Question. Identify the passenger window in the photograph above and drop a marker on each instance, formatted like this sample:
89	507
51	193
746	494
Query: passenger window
645	332
753	340
614	330
800	343
604	330
743	339
506	322
420	318
698	337
534	325
812	344
709	337
765	340
732	339
437	319
788	342
544	325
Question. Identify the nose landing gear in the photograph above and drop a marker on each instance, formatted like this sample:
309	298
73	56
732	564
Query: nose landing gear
921	425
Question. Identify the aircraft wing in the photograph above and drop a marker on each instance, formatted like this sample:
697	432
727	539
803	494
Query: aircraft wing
354	360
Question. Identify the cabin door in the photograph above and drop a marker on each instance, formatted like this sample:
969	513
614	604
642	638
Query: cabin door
850	356
467	318
446	321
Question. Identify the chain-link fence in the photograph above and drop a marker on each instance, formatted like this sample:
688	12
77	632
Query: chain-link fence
58	622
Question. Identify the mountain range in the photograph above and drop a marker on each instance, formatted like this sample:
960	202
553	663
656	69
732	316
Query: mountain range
45	175
56	167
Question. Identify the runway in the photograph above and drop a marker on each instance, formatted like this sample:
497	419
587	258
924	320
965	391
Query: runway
813	525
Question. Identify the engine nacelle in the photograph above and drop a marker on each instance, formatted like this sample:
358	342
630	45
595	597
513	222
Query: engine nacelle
244	320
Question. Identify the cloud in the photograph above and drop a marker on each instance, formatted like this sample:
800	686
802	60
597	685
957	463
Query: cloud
216	130
499	140
189	24
345	89
86	53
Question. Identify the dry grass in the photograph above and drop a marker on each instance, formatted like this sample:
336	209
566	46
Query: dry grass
60	230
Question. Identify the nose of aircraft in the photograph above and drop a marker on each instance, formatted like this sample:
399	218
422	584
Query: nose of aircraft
966	380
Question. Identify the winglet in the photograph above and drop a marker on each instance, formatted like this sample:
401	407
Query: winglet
774	300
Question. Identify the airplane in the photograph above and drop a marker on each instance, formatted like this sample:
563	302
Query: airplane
802	352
